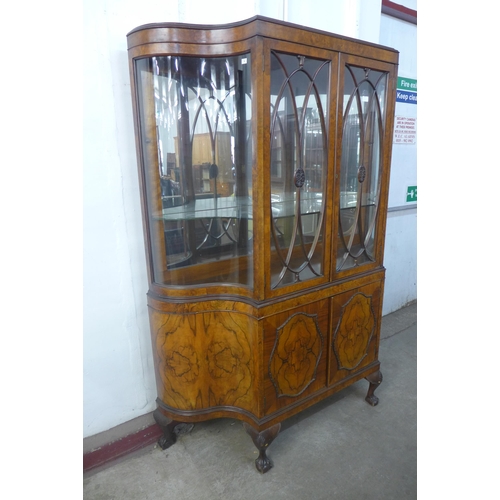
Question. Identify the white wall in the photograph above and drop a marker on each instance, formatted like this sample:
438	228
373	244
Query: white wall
118	371
401	235
118	376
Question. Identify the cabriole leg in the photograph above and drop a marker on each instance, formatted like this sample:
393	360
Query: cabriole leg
262	440
375	380
171	429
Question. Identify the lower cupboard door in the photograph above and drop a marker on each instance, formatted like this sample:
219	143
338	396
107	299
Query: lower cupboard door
355	320
295	360
205	360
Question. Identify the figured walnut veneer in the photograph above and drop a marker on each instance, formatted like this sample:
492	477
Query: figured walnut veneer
296	355
354	332
204	360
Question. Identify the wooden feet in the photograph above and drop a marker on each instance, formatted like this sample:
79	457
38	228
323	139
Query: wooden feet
375	380
171	429
262	440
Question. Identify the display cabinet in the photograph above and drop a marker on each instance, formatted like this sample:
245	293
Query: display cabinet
264	151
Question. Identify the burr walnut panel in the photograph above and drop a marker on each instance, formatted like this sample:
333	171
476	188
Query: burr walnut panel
355	330
204	360
294	345
296	354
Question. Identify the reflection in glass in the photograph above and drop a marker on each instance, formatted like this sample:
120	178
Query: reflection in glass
363	125
299	104
195	119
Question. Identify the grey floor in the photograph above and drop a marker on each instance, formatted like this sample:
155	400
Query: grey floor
342	448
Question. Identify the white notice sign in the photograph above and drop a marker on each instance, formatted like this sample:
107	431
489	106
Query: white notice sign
405	130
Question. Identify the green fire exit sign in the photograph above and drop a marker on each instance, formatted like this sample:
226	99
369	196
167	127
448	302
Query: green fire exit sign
411	193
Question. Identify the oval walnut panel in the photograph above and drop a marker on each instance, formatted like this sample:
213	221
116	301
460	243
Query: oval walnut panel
296	355
354	332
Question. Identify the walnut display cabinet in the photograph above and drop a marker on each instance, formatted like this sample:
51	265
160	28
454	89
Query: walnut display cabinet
264	152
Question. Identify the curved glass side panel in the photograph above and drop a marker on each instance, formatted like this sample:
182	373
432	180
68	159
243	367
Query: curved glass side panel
299	106
363	128
195	118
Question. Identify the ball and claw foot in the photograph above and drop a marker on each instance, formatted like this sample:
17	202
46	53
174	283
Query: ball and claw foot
375	380
171	429
262	440
263	463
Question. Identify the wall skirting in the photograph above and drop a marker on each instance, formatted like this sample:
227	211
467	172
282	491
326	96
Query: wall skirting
108	446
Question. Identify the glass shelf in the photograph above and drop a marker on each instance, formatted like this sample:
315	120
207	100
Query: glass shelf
240	207
285	205
224	207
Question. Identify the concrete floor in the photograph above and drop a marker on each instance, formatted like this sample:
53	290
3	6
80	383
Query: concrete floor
342	448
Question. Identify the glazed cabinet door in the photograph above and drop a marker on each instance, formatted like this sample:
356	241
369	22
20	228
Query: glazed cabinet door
297	165
363	158
195	117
